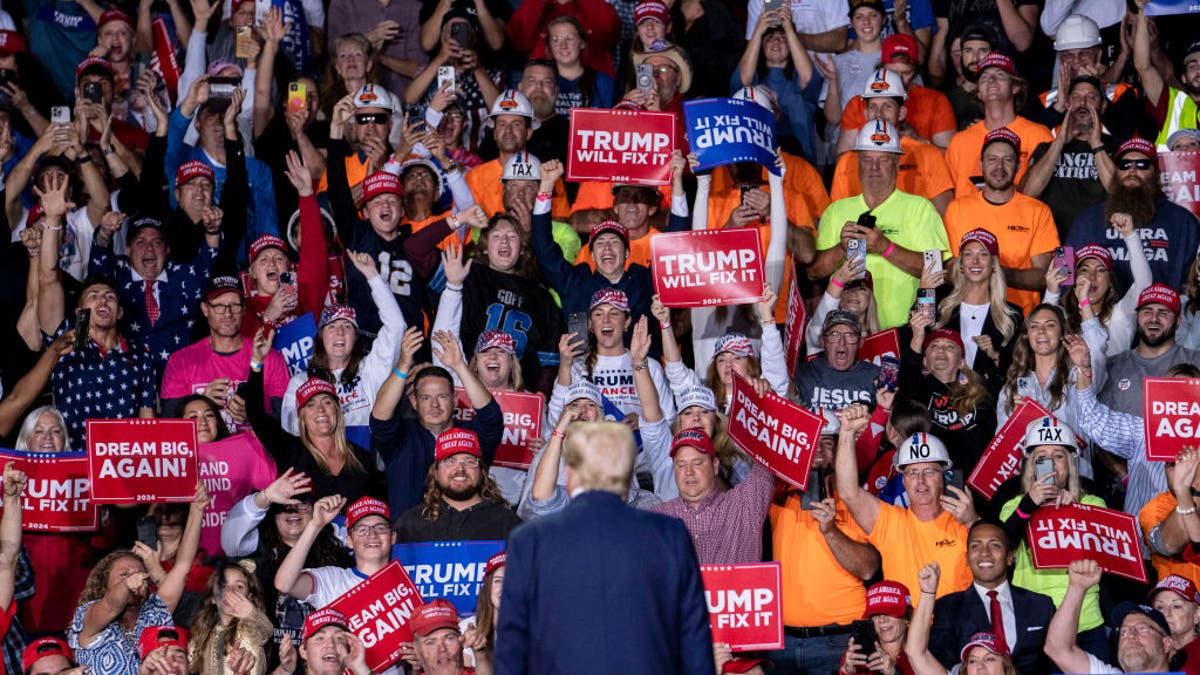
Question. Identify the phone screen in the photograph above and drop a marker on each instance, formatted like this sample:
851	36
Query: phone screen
83	317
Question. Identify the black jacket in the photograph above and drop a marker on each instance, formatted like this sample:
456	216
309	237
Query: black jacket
485	521
957	616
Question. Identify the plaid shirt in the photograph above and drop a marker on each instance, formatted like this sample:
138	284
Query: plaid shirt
1123	435
726	527
14	639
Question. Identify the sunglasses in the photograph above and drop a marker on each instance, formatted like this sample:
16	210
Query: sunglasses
1139	164
372	118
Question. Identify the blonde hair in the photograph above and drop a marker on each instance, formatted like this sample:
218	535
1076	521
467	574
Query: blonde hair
339	440
601	455
1029	476
997	304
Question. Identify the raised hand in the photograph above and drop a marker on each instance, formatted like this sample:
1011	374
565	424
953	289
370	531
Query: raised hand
928	577
453	267
410	344
290	483
364	263
326	509
1083	574
451	354
639	342
298	175
263	339
14	480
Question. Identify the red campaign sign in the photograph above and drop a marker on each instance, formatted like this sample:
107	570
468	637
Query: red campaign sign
793	329
744	605
522	424
134	461
877	345
1002	458
1058	535
379	610
1179	174
778	433
57	496
1171	413
621	146
707	267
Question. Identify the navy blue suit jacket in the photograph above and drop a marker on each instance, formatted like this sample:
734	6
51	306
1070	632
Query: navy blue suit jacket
601	588
957	616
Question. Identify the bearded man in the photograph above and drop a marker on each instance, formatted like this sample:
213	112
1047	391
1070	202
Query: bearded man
1169	233
462	501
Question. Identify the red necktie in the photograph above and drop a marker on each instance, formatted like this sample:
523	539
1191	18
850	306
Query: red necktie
151	301
997	617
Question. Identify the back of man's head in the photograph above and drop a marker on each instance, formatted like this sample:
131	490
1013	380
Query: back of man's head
599	456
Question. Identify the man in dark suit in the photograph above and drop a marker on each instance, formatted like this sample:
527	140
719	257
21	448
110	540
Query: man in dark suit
600	587
1023	615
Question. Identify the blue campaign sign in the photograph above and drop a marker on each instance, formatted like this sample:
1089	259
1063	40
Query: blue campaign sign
452	570
1165	7
295	341
725	130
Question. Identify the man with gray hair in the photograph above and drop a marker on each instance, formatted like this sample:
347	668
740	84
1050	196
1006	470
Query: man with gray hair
571	589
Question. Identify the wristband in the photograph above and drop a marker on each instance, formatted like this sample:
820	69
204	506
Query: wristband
1022	514
835	282
399	374
558	434
1099	148
545	196
455	288
890	249
452	221
1185	512
1084	303
664	325
255	365
82	159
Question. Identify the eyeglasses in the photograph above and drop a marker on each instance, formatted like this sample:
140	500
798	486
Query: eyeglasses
1137	630
363	530
372	118
842	336
468	461
921	473
1139	164
233	308
666	69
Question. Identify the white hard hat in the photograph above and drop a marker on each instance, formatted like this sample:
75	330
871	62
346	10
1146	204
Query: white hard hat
522	166
428	164
760	94
374	96
833	423
512	102
884	83
878	135
1076	32
1049	431
922	447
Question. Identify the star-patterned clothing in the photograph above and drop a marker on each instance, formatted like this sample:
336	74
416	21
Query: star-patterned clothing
113	651
178	289
99	383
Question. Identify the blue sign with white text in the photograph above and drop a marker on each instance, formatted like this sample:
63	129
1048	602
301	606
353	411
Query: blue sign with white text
451	570
295	341
725	131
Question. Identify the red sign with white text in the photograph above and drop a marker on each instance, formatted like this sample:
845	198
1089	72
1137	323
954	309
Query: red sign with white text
1002	458
793	330
1179	174
878	345
621	146
57	496
379	610
522	424
707	267
745	608
778	433
1058	535
1171	413
138	461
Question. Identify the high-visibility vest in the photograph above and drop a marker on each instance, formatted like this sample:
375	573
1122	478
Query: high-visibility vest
1181	114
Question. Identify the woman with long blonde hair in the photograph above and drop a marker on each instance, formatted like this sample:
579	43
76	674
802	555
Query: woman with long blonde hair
851	288
978	309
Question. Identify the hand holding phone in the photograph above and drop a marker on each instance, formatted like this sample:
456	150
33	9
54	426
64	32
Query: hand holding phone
1064	262
83	319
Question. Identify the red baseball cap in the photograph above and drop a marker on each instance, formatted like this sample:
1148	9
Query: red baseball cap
265	242
651	9
433	615
1138	144
986	639
1096	251
456	441
997	60
1161	294
496	339
381	182
12	42
981	236
161	636
41	648
495	562
366	506
693	438
1181	586
609	226
943	334
193	169
93	63
313	386
1004	135
321	618
887	597
114	15
899	44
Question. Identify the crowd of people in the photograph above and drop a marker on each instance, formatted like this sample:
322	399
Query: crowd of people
982	178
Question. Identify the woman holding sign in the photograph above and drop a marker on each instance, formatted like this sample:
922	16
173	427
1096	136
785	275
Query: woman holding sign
1049	478
322	451
117	603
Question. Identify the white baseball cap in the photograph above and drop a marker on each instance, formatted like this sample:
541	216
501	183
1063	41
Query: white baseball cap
922	447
